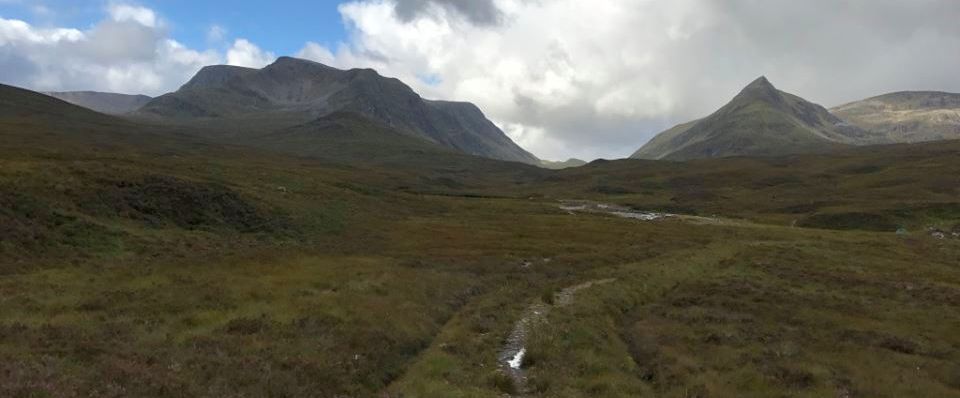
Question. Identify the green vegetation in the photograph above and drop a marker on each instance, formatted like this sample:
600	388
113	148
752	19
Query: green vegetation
139	261
760	121
908	116
771	312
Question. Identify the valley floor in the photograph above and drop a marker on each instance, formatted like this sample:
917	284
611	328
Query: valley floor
140	261
424	308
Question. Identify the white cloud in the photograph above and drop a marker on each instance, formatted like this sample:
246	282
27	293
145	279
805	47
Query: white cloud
599	78
129	51
15	31
563	77
216	33
122	12
245	53
318	53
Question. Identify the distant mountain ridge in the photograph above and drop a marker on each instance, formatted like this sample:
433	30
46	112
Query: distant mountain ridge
292	91
906	116
759	121
566	164
108	103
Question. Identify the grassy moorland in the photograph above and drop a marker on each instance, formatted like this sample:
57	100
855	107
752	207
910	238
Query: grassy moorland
871	188
139	261
763	312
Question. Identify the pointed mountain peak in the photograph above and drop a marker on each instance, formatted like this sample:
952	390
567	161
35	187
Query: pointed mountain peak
761	82
760	90
760	121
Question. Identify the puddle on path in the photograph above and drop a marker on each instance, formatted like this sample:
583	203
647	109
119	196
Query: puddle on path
512	354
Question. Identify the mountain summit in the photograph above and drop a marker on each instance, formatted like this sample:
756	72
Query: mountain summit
760	121
761	89
293	91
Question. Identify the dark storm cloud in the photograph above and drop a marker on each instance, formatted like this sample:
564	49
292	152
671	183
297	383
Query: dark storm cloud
830	52
16	68
480	12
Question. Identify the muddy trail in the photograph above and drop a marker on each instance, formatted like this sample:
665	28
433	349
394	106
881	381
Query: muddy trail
511	355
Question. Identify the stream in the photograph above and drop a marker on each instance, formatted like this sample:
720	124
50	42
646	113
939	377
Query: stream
585	206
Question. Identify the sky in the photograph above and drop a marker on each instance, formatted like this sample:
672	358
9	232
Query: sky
563	78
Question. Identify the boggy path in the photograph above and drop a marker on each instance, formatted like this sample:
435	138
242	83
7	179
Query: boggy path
511	356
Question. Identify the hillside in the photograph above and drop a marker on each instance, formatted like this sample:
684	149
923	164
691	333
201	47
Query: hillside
32	106
142	260
108	103
759	121
909	116
25	114
291	92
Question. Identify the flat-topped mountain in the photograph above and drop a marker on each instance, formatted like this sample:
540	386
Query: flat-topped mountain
759	121
108	103
292	91
908	116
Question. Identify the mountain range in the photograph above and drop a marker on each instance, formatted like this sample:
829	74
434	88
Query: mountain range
764	121
297	100
229	240
295	92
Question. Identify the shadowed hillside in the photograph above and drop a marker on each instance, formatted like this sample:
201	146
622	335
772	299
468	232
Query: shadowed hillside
292	91
760	121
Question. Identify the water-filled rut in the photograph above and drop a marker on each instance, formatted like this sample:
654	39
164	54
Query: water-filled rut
511	355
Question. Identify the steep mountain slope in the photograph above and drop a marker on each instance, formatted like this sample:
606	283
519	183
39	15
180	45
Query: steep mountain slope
291	92
909	116
108	103
662	143
760	121
346	138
